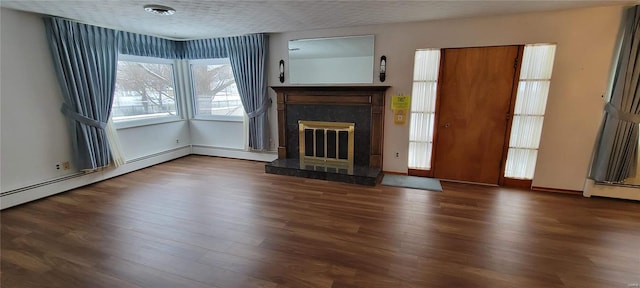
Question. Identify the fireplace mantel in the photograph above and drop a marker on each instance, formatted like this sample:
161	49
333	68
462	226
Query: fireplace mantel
331	96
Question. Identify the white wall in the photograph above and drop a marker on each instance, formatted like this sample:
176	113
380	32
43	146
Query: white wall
585	45
218	134
34	136
141	141
225	139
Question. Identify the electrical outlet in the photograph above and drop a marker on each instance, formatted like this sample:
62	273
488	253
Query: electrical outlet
177	141
397	154
58	165
66	165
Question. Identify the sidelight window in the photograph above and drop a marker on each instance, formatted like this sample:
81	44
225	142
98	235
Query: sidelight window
531	102
423	105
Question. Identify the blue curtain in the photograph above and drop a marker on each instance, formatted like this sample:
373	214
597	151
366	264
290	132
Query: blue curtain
149	46
248	56
616	152
85	58
205	49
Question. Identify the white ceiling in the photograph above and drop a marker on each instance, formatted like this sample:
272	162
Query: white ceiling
205	19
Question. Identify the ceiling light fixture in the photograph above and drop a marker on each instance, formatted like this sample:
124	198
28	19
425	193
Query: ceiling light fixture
159	9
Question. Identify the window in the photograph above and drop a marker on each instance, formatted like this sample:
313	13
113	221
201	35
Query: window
531	102
423	106
145	89
215	94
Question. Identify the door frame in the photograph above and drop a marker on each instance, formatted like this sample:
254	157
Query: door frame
505	181
502	181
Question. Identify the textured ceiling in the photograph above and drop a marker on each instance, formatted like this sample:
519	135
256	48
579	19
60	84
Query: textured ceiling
205	19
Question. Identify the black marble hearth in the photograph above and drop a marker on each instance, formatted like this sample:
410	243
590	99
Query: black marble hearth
363	175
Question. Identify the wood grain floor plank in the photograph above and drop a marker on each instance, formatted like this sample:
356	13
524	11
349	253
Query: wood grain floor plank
213	222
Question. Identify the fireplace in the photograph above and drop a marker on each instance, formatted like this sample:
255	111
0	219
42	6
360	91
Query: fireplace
326	143
325	106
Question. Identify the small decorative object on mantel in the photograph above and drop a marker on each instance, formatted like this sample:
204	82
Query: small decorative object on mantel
281	69
383	68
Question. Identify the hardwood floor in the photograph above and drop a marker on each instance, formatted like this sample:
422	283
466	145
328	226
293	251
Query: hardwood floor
213	222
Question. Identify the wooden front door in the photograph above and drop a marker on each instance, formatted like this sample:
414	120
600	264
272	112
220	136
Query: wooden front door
476	87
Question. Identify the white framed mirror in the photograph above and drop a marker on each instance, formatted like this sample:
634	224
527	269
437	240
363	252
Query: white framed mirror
335	60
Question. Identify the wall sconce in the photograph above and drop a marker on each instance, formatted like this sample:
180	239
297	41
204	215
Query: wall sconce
281	69
383	68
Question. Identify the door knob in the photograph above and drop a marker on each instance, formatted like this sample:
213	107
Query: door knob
447	125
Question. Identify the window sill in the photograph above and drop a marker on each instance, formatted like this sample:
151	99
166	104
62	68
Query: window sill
146	122
239	119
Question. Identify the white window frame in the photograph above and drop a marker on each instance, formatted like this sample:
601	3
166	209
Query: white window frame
130	123
194	114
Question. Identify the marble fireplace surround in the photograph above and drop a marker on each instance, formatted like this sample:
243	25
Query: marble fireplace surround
363	105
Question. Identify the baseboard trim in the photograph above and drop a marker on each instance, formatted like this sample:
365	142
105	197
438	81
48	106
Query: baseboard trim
516	183
468	182
420	173
57	185
556	190
394	173
233	153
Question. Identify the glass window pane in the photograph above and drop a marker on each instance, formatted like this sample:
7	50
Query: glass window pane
415	128
521	163
537	61
215	91
421	127
143	90
426	65
423	97
532	97
420	155
525	132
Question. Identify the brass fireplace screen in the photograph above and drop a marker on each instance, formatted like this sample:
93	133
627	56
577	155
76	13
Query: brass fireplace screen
326	143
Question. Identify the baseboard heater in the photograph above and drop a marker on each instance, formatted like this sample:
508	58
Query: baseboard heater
157	154
79	174
45	183
617	184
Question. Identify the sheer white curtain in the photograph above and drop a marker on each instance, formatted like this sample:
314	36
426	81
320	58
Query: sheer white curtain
531	102
114	144
423	105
